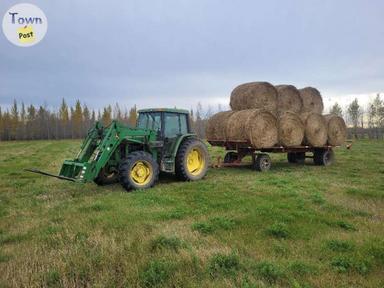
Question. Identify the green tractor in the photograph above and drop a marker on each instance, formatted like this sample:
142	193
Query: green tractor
161	141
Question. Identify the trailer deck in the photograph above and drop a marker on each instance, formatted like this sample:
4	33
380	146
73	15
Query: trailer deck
261	161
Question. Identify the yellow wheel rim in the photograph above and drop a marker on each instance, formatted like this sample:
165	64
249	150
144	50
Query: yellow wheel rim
195	161
141	173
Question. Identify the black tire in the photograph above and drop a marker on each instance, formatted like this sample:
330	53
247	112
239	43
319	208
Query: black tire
263	162
182	171
323	157
128	170
300	157
291	157
296	157
230	157
107	175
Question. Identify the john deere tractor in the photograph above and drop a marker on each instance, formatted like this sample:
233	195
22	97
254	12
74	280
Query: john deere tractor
161	141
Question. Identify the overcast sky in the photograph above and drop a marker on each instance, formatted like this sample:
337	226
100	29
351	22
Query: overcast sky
176	53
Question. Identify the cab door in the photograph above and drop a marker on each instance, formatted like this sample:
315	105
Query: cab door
174	126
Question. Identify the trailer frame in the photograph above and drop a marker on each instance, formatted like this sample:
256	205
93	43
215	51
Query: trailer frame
238	149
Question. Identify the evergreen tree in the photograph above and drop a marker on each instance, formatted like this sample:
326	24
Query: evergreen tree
107	115
117	113
77	119
7	124
23	119
14	120
132	117
354	112
93	118
86	120
336	109
64	119
31	124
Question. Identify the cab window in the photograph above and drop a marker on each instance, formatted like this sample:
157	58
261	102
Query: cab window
175	124
149	121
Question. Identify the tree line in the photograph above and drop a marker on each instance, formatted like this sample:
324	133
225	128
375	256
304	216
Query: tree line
31	122
363	122
20	122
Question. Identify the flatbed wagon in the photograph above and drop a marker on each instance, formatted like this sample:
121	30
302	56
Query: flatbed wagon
238	150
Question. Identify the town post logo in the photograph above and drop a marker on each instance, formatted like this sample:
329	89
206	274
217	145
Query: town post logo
25	24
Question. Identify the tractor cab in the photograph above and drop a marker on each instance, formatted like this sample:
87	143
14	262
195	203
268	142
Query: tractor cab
168	123
172	126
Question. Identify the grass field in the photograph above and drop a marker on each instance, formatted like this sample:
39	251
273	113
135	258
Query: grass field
294	226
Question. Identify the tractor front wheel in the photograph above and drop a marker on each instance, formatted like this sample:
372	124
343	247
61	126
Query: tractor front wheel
192	160
138	171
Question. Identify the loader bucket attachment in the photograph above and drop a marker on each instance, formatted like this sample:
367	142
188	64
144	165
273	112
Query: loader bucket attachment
73	170
49	174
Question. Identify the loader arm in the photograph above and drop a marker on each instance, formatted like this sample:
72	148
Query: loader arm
99	148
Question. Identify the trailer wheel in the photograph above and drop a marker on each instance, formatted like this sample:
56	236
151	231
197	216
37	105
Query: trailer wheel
323	157
291	157
106	176
230	157
138	171
192	160
263	162
300	157
296	157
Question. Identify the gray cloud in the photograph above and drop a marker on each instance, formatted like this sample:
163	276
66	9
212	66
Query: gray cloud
167	53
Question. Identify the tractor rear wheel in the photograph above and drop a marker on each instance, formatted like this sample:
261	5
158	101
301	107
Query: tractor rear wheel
192	160
107	175
138	171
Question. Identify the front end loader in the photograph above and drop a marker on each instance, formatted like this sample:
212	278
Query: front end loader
161	141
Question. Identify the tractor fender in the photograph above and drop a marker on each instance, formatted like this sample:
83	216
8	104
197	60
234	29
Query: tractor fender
180	140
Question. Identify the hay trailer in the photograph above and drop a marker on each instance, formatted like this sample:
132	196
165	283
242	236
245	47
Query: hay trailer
238	150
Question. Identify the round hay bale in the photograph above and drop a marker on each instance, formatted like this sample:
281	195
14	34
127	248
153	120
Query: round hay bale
337	130
217	125
257	126
315	129
312	100
262	129
288	99
236	129
291	129
254	95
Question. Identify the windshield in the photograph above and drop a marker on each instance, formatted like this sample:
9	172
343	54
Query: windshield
149	120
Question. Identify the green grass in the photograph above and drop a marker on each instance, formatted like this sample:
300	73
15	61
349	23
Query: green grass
295	226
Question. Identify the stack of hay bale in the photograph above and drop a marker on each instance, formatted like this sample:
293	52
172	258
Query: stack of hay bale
267	115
